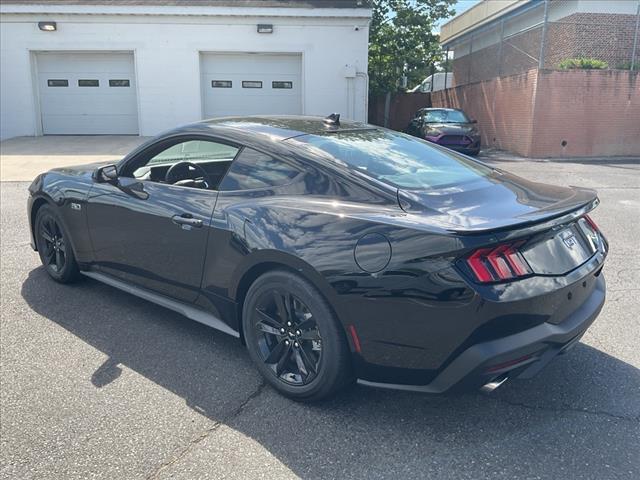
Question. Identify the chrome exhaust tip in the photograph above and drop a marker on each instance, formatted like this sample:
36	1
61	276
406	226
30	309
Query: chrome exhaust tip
493	384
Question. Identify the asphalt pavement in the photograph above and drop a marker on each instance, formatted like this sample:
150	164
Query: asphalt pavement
96	383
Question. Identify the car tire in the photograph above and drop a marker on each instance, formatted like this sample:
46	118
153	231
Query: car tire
309	334
54	246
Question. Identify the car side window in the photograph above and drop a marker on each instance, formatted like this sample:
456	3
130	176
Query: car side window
208	161
253	169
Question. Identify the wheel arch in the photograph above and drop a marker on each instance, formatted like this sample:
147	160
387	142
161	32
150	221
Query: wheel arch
264	261
37	204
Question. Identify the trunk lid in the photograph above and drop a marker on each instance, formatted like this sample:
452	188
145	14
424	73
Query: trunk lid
495	202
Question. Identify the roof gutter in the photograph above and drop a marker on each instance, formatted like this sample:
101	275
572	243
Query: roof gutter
187	10
487	24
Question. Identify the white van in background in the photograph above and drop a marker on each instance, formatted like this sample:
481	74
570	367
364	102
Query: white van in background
438	80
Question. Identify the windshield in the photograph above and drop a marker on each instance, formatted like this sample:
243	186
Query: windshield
445	116
397	159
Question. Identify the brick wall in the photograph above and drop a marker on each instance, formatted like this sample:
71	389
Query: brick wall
596	112
503	107
593	112
607	37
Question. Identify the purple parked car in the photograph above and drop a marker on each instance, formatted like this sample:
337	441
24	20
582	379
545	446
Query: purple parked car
448	127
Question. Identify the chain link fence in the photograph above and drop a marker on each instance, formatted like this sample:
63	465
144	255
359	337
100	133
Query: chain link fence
551	34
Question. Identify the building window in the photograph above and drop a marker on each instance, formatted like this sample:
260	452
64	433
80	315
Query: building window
119	83
221	84
251	84
57	83
88	83
286	85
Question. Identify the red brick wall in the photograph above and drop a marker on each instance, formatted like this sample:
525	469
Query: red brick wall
596	112
607	37
503	106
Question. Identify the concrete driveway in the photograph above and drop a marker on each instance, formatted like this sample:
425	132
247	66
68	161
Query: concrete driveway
22	158
97	383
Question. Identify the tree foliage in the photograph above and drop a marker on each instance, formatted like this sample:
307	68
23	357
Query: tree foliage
402	42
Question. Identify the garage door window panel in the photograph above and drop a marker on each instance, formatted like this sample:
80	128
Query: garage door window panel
251	84
88	83
57	83
221	84
254	170
281	85
119	83
198	164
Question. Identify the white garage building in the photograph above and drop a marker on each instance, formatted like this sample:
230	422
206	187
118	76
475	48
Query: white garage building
72	67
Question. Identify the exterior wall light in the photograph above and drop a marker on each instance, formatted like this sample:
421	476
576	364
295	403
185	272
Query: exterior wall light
47	26
265	28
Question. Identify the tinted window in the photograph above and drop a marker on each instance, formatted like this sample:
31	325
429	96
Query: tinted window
212	157
445	116
253	169
397	159
195	150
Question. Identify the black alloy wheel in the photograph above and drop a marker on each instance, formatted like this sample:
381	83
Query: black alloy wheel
289	339
294	338
53	246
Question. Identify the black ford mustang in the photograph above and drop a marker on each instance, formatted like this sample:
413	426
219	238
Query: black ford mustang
335	251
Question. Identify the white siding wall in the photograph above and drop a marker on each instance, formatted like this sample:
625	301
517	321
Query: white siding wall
167	60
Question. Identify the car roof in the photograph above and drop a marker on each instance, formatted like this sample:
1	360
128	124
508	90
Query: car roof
276	127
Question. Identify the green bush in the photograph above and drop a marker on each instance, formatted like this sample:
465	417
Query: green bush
583	64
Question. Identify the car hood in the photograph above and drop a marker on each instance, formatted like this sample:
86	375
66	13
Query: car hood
452	128
500	200
82	170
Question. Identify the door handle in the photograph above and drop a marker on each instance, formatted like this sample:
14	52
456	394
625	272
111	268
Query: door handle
186	220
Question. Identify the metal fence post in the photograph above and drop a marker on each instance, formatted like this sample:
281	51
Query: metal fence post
500	47
470	59
544	34
446	67
635	39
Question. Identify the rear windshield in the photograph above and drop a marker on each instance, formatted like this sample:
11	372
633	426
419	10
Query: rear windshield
397	159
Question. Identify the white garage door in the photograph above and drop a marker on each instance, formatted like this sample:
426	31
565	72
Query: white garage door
87	93
248	84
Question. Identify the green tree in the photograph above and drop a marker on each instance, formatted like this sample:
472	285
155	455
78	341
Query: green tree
402	42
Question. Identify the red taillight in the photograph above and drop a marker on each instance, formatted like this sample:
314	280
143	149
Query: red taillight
591	223
496	264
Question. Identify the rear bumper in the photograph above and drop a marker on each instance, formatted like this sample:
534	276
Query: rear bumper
521	355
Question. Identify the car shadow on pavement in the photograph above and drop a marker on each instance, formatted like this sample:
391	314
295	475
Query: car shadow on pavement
362	432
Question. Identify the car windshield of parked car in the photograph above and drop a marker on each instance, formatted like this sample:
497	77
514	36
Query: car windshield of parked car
445	116
397	159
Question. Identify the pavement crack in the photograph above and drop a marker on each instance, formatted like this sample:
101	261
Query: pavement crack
200	438
566	408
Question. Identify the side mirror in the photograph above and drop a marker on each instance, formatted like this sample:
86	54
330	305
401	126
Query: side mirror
474	121
106	174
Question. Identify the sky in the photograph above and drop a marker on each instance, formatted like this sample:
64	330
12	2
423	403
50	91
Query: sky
460	6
